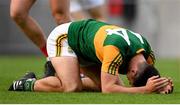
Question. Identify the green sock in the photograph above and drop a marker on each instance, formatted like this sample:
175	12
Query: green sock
29	84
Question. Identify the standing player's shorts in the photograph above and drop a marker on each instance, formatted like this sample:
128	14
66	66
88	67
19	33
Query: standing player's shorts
77	5
57	43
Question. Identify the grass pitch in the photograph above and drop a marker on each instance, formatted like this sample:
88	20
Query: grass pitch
15	66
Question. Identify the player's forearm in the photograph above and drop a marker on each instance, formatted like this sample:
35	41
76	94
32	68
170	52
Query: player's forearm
122	89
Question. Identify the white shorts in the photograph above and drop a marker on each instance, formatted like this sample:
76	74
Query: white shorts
77	5
57	43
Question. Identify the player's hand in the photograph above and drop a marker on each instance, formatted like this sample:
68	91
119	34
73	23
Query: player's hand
156	83
167	89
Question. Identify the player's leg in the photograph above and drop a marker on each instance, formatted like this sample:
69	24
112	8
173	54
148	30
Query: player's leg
19	11
60	10
95	8
29	82
76	10
97	13
91	81
67	69
63	59
78	15
67	80
48	84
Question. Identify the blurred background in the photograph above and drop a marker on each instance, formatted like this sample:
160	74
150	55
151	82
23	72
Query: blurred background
157	20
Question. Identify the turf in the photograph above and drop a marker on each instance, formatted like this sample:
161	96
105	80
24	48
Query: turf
14	67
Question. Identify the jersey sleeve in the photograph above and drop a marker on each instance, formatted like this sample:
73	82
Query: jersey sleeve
112	60
151	58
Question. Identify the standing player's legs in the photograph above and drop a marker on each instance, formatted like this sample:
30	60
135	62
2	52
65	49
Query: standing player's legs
97	13
19	11
81	9
60	10
76	10
95	8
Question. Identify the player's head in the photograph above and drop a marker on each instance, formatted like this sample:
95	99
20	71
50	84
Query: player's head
142	74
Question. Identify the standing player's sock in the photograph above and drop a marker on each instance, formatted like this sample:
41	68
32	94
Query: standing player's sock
44	51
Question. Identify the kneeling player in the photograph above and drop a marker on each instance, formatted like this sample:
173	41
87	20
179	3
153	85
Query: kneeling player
104	51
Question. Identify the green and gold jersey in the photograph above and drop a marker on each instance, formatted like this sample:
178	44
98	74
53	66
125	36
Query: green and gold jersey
109	45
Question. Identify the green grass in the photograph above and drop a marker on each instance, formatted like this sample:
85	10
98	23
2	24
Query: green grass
15	66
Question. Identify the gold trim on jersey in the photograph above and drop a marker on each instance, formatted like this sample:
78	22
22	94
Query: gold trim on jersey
151	59
140	50
99	40
59	43
113	67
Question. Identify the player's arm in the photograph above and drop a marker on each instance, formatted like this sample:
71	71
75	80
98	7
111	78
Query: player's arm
169	88
110	82
109	85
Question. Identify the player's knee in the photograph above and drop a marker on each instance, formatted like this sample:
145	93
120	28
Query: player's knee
18	17
61	17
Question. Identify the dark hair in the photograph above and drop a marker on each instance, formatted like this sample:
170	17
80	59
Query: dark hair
146	71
